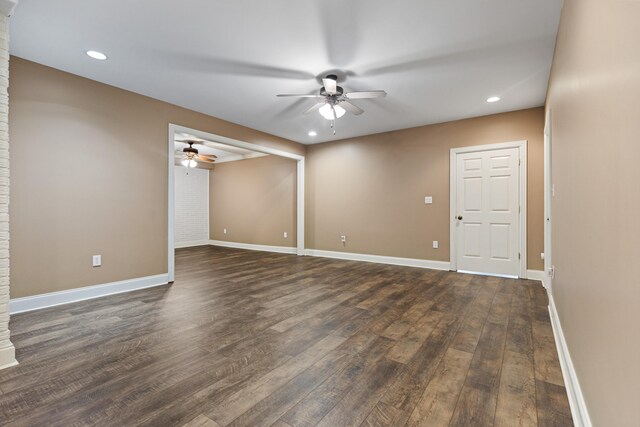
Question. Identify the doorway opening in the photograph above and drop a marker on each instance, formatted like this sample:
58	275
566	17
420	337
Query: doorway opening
222	149
488	194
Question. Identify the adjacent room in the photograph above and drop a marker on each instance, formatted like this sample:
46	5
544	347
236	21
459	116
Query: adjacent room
363	213
227	195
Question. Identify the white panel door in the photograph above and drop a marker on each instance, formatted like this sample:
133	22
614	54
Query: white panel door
191	206
487	216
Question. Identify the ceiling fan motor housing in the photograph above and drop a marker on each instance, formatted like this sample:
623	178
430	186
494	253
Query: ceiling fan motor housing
190	149
339	91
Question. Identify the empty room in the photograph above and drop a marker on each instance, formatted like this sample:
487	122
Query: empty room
319	213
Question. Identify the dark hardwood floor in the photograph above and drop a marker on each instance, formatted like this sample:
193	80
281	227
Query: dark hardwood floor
251	338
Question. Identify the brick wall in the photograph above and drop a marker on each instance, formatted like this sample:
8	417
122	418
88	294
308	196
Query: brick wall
7	351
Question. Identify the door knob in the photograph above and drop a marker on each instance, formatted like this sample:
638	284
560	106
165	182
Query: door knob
459	217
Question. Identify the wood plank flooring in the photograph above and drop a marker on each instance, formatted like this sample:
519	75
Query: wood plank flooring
248	338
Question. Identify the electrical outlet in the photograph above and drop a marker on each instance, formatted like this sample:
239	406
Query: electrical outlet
435	244
224	231
343	239
97	260
285	234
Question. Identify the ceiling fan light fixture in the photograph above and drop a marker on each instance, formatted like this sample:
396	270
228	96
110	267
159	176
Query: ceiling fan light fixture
189	163
327	112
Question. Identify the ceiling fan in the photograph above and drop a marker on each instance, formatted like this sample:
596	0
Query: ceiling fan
334	102
190	156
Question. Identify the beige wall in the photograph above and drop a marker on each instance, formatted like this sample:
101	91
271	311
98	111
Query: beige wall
594	96
89	176
372	188
255	200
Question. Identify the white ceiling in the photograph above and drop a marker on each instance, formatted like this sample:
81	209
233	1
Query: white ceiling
438	60
224	153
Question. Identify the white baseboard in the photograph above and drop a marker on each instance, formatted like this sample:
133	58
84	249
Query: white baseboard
574	392
535	275
36	302
191	244
8	357
252	247
380	259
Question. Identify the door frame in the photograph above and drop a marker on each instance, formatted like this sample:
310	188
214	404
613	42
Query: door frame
522	151
548	200
173	128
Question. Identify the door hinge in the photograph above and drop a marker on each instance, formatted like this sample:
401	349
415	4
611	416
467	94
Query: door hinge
519	161
518	255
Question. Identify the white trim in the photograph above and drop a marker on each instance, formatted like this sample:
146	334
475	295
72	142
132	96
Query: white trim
8	357
171	207
546	282
208	206
578	406
10	351
535	275
252	247
300	193
236	157
36	302
191	244
479	273
233	142
548	194
380	259
522	151
6	8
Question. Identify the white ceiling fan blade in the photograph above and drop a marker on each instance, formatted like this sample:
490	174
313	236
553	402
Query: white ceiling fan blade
351	108
190	141
298	96
313	108
330	86
368	94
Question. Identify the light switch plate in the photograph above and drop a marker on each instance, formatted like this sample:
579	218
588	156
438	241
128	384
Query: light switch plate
428	200
97	260
435	244
285	234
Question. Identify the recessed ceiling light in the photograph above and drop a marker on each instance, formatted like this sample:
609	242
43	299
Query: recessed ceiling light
97	55
313	133
493	99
